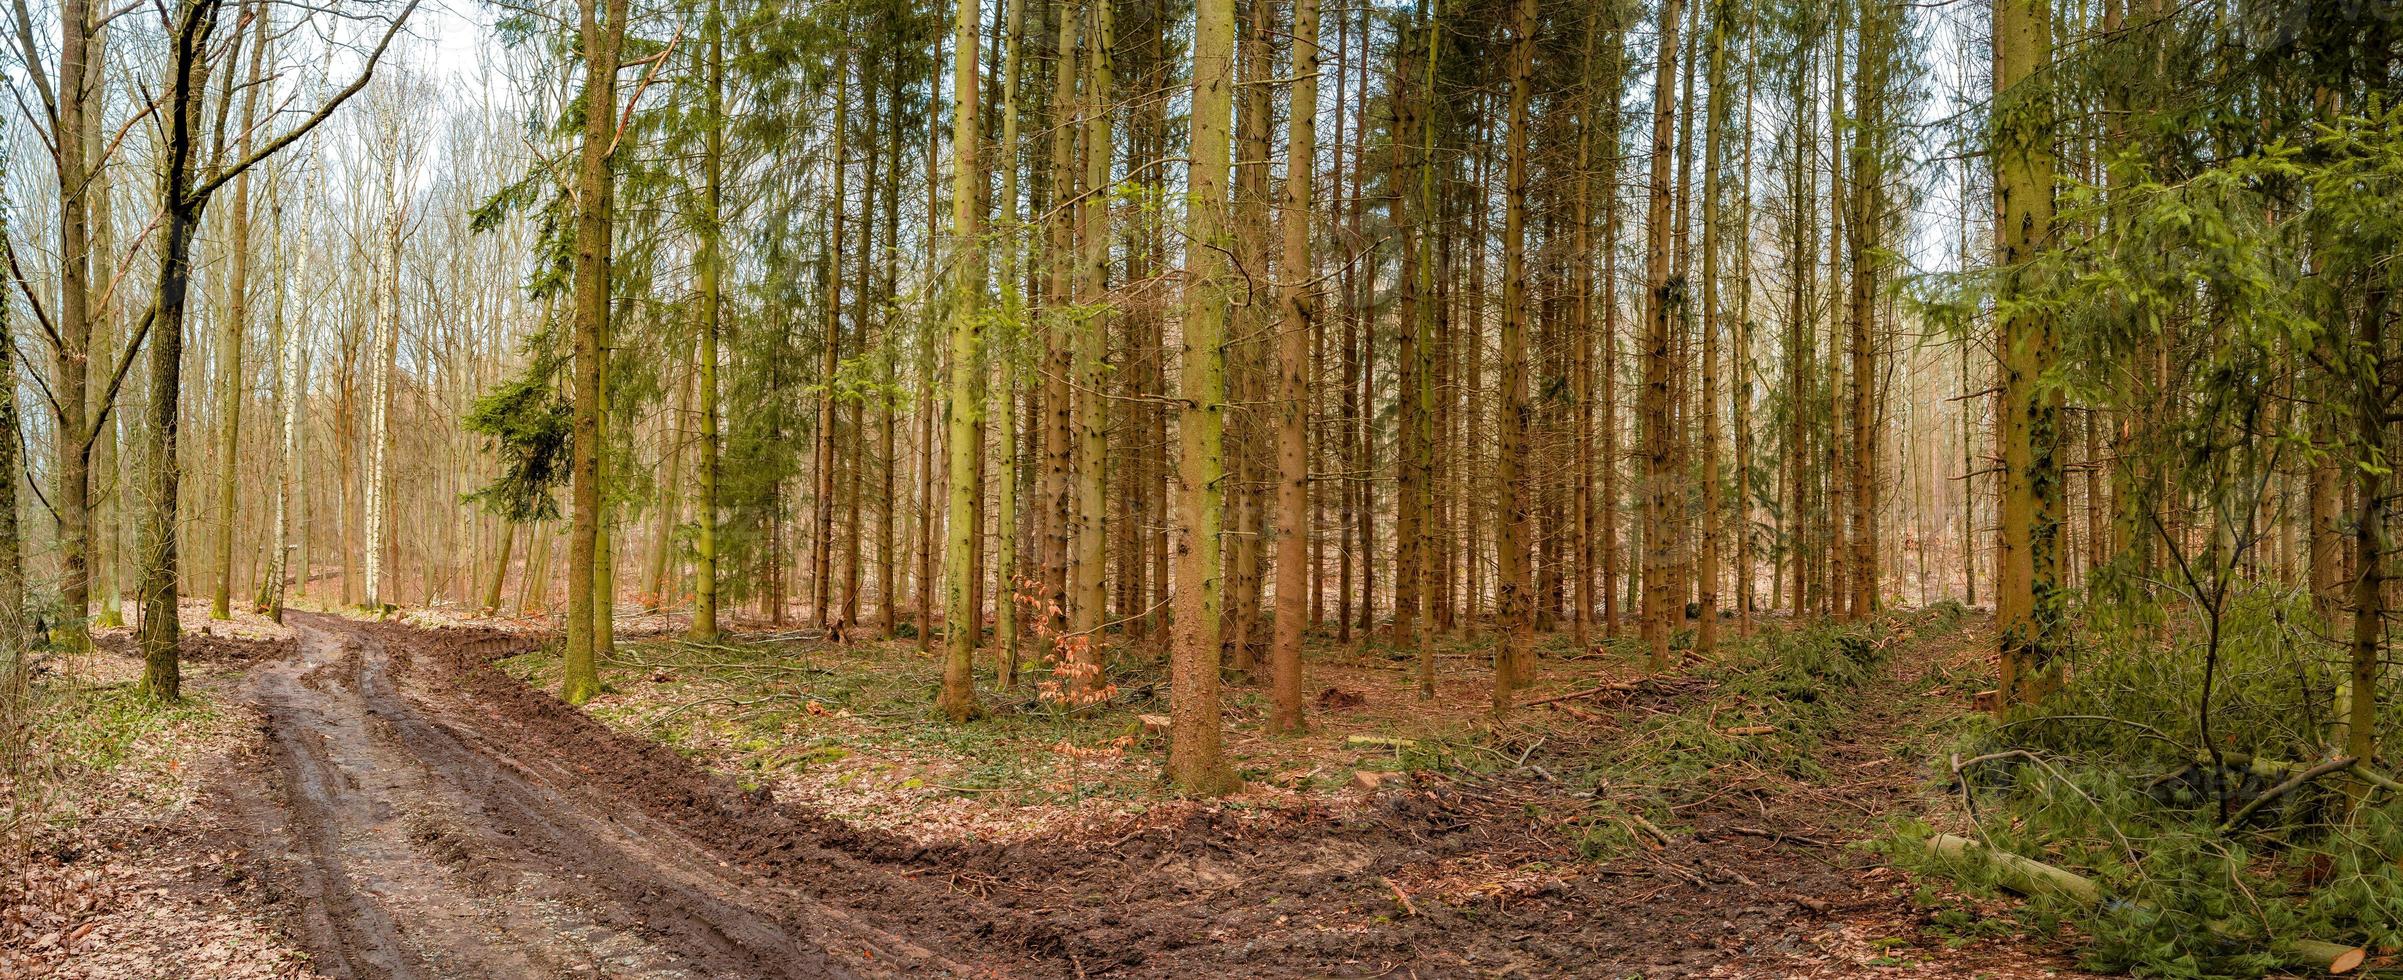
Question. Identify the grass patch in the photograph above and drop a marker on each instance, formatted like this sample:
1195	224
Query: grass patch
1769	702
860	716
852	729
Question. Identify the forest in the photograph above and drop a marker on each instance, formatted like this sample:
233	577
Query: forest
1430	488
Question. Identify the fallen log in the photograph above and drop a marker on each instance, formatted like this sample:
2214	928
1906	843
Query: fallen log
2023	875
2032	877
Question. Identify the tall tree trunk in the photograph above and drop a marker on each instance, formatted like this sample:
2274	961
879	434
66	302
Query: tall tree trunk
1613	504
2027	574
708	269
78	97
1582	357
159	633
1512	602
891	554
1659	479
1091	560
1740	356
233	331
288	394
1196	762
821	547
663	544
1059	410
1013	325
964	402
1867	242
1408	216
13	631
386	344
1837	485
1347	452
2373	409
1293	347
602	24
1706	632
1253	319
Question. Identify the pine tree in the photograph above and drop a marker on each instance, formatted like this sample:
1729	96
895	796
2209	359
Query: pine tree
1514	602
708	268
964	401
2027	572
1196	763
1293	365
1660	299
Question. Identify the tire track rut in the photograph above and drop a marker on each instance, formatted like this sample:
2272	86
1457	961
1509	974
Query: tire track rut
424	834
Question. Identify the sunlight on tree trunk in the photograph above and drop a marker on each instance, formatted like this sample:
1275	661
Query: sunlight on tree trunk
965	389
1196	763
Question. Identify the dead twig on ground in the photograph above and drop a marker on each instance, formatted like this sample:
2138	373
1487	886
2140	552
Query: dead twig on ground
2291	784
1619	687
1782	838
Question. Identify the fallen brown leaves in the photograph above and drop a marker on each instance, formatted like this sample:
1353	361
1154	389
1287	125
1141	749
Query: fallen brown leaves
122	908
105	877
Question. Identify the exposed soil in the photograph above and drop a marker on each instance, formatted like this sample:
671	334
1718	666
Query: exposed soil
430	816
204	647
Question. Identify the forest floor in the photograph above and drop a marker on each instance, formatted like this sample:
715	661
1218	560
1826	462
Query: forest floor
359	799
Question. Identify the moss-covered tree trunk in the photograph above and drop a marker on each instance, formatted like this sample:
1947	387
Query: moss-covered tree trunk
1659	478
707	270
2027	556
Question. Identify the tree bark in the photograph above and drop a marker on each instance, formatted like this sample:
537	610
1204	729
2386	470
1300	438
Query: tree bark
1091	564
1658	300
2027	574
1293	348
1196	763
233	331
821	546
964	403
707	270
602	24
1513	600
1013	312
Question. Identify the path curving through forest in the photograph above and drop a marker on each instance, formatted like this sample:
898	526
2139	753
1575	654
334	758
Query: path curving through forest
422	835
423	814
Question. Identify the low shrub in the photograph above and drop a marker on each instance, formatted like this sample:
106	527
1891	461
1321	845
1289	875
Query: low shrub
2132	774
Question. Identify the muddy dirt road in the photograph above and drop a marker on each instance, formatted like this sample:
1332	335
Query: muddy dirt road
423	814
424	834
